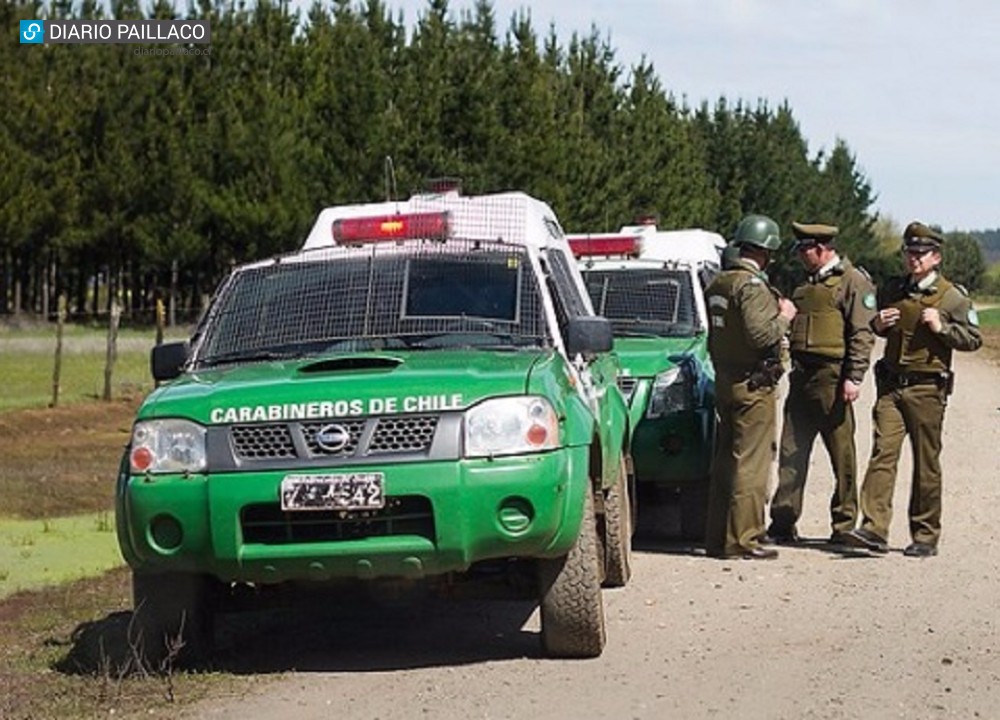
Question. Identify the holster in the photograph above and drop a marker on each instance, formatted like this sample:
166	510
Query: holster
767	373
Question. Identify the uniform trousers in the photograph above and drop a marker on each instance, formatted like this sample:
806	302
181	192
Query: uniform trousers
741	467
815	406
917	411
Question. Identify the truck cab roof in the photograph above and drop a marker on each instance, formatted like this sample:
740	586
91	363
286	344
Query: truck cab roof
639	245
511	217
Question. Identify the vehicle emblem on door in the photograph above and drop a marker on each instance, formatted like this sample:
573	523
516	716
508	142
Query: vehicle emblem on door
332	438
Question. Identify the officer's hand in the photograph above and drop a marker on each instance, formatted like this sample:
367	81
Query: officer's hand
850	391
786	308
886	318
931	317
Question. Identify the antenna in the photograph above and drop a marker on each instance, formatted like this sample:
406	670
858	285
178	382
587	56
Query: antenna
390	179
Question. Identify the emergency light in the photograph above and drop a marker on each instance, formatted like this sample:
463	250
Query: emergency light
381	228
590	245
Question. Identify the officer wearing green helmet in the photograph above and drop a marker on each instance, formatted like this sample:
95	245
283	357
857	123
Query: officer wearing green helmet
748	322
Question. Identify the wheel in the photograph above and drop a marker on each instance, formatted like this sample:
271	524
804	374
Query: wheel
173	619
572	607
618	532
694	510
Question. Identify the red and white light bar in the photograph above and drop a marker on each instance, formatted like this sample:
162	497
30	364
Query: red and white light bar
605	245
383	228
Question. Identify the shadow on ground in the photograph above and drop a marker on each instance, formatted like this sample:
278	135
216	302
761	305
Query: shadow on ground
354	634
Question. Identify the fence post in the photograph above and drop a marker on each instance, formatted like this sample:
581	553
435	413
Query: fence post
57	367
173	293
160	319
112	354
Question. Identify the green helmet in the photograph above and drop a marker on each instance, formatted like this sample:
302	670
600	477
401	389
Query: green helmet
758	230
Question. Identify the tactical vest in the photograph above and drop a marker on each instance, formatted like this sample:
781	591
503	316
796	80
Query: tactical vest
727	343
911	346
818	328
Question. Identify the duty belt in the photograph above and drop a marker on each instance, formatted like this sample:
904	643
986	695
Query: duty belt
916	378
900	379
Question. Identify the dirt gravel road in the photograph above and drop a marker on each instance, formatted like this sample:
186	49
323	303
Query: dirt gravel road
811	635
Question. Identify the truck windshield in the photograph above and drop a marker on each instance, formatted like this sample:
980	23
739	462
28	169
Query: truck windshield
654	301
417	294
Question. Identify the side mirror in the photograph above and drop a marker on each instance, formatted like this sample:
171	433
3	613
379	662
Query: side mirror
589	335
166	361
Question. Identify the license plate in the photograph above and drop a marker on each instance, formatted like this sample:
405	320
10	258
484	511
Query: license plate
349	491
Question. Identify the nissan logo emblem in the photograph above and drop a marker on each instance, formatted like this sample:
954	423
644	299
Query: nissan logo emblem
332	438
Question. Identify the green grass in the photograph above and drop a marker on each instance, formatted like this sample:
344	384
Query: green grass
27	360
989	317
51	551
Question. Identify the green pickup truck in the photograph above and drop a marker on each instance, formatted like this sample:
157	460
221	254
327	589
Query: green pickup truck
649	284
421	394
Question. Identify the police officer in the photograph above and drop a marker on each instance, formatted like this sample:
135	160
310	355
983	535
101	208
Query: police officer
831	344
748	320
923	318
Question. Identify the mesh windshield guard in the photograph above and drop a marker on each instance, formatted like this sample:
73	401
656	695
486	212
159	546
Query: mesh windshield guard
653	301
417	294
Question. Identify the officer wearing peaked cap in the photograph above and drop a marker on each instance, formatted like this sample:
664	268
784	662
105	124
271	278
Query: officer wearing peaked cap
747	321
831	344
923	318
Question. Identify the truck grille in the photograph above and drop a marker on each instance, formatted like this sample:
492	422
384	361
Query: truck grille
266	524
357	438
354	429
403	434
261	442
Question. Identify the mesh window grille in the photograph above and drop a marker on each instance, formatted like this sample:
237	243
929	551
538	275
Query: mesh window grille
412	294
654	300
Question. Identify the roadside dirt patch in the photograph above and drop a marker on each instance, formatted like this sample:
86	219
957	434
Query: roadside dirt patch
65	653
62	461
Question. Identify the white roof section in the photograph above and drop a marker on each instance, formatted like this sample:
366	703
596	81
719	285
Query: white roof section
692	245
512	217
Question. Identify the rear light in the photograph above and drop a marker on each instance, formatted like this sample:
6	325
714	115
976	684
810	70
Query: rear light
607	245
412	226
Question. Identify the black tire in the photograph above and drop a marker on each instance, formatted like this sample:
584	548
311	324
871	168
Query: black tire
173	619
618	532
572	607
694	511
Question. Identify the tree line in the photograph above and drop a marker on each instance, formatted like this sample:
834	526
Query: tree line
133	177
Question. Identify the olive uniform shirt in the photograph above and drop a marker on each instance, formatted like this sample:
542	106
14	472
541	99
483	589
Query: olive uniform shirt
831	341
914	380
745	328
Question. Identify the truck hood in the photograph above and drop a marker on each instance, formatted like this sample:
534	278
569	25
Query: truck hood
645	357
340	386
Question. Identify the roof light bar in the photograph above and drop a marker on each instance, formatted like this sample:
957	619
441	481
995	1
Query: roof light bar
606	245
382	228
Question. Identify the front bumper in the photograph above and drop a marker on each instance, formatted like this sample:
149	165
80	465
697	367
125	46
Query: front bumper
445	516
